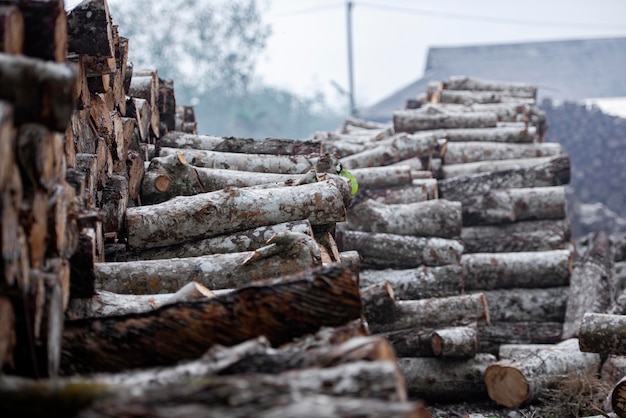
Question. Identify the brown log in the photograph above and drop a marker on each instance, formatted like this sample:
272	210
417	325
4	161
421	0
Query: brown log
89	29
135	169
83	133
114	203
41	92
455	342
145	85
470	83
327	296
510	205
433	218
7	144
35	155
379	304
437	118
418	283
82	279
11	30
34	220
603	333
469	152
194	217
45	29
139	109
13	240
286	253
445	379
535	269
83	95
527	305
590	285
491	337
515	382
469	97
7	332
542	235
456	170
382	250
437	312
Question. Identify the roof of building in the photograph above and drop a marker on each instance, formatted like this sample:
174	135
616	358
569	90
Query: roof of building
562	70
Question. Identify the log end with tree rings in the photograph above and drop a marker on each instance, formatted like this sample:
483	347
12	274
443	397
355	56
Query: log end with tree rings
507	386
618	398
162	183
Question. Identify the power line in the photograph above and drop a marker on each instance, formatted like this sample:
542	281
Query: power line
489	19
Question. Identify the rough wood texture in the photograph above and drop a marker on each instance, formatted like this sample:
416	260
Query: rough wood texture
527	305
466	169
618	398
437	118
189	218
327	296
379	304
470	83
381	250
498	333
468	152
418	283
603	333
45	29
455	342
515	382
497	138
89	29
382	177
468	97
484	271
11	30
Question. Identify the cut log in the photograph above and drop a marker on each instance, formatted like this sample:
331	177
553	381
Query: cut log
7	144
516	351
167	105
415	192
519	236
82	279
455	342
381	250
41	92
491	337
437	312
603	333
45	29
287	252
555	172
510	205
7	333
468	97
527	305
437	118
328	296
618	398
456	170
445	379
515	382
418	283
485	271
412	342
189	218
471	83
135	169
497	140
114	203
11	30
382	177
89	29
591	289
469	152
613	369
433	218
379	304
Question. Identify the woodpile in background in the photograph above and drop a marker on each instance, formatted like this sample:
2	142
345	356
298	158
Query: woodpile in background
150	270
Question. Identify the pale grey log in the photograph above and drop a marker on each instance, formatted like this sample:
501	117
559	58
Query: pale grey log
527	305
456	170
513	89
418	283
603	333
469	152
429	118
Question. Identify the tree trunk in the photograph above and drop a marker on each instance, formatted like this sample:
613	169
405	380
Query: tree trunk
469	152
433	218
510	205
555	172
491	337
455	342
89	29
527	305
327	296
483	166
543	235
287	253
603	333
190	218
11	30
470	83
445	379
418	283
437	118
515	382
437	312
485	271
381	250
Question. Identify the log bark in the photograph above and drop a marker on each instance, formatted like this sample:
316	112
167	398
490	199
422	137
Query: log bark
382	177
45	30
379	304
328	296
603	333
89	29
535	269
445	379
471	83
11	30
418	283
500	138
433	218
194	217
412	342
436	312
437	118
469	97
382	250
613	369
510	205
527	305
287	252
41	92
114	203
417	191
469	152
7	333
513	383
461	342
491	337
543	235
456	170
555	172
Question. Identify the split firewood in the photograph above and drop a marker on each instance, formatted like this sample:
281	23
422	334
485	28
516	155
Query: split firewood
590	288
497	140
263	163
603	333
436	312
466	169
327	296
7	332
275	146
429	118
555	172
399	251
418	283
515	382
484	271
114	203
379	304
286	253
11	30
166	101
468	97
527	305
618	398
433	218
45	30
446	379
510	205
89	29
40	91
468	152
544	235
470	83
491	337
7	145
455	342
189	218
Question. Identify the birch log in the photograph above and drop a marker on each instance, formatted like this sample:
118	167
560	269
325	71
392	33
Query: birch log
190	218
515	382
287	252
535	269
417	191
491	337
527	305
327	296
89	29
471	83
433	218
603	333
436	118
499	137
466	169
399	251
459	342
468	97
382	177
412	342
468	152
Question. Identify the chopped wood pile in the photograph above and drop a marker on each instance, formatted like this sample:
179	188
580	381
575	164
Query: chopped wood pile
149	270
